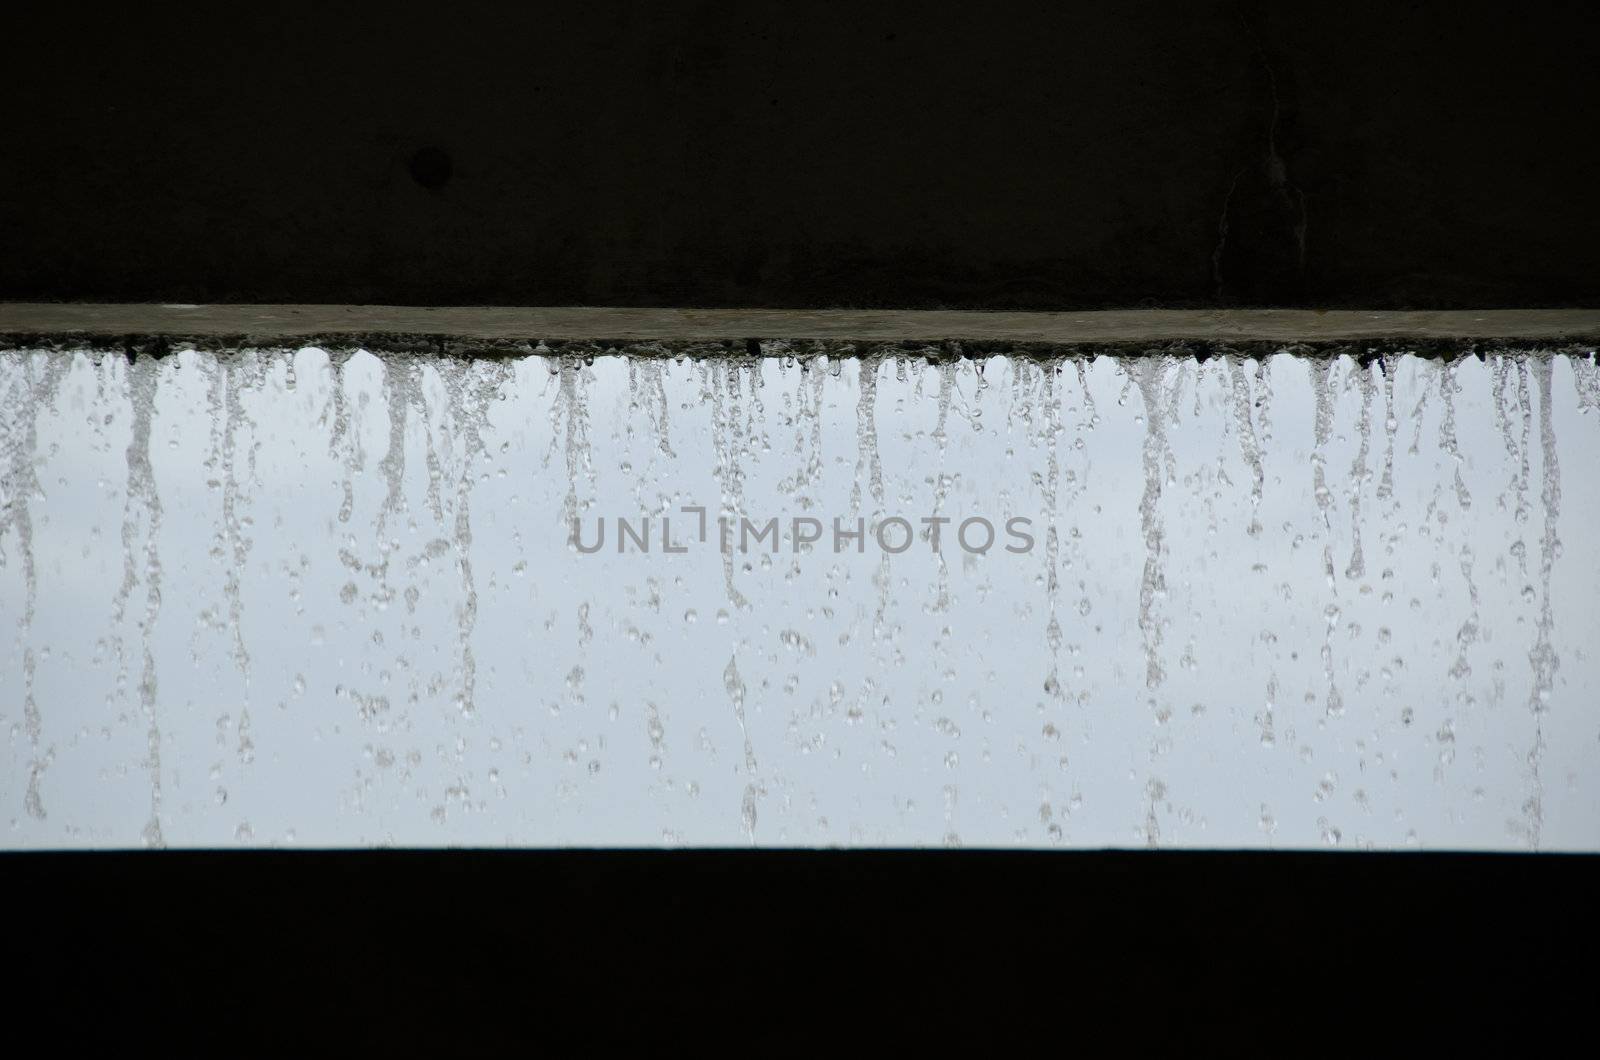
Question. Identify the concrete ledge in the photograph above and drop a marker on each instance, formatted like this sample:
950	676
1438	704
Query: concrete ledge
265	322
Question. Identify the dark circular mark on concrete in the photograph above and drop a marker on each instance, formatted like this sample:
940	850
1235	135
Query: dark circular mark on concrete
431	168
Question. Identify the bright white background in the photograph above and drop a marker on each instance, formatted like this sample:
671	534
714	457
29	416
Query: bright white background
1296	604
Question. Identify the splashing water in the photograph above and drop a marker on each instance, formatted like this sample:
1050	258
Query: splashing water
1389	650
21	487
143	499
1543	655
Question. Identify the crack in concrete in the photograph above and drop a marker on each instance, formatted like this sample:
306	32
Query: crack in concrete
1222	234
1276	169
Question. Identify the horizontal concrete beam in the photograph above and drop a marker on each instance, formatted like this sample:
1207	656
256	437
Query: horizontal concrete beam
291	322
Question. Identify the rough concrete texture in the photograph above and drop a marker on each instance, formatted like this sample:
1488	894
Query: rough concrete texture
20	322
755	153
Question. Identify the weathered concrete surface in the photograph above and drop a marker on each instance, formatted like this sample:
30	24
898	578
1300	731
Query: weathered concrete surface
1077	154
268	322
490	322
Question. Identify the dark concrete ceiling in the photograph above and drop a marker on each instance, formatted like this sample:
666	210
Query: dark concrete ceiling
754	153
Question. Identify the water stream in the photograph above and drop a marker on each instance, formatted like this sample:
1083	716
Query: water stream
279	597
